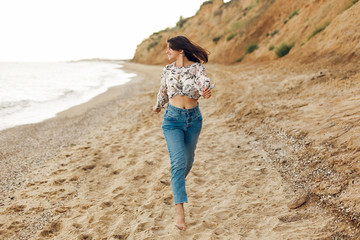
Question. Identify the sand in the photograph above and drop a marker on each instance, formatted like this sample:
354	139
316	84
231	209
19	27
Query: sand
101	170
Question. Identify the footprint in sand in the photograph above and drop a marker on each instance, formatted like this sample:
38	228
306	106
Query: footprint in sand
160	185
74	178
67	155
120	236
168	200
142	190
131	163
148	205
199	181
107	165
199	209
120	195
139	177
115	148
149	162
142	226
106	218
52	230
116	172
16	226
118	189
106	204
85	207
166	183
62	209
85	237
58	171
223	215
58	182
36	209
30	184
208	224
77	225
88	167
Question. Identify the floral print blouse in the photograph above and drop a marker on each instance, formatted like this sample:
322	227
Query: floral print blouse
185	81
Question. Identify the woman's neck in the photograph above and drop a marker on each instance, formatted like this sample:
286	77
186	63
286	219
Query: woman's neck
182	61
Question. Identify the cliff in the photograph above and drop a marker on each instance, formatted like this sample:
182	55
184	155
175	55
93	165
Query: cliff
254	30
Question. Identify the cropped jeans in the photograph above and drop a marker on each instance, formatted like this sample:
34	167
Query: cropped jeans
181	128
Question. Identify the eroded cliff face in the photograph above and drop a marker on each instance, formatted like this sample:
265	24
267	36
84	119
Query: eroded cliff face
315	29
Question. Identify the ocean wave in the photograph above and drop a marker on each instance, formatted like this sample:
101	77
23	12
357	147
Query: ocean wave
28	98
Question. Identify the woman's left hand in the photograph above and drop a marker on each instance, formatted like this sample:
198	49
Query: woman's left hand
206	93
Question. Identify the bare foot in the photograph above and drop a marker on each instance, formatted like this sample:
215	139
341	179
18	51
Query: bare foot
180	217
180	222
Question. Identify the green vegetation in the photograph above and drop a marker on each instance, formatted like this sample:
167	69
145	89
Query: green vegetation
317	30
240	59
231	36
251	47
248	8
274	32
353	2
293	14
238	24
283	49
248	49
181	22
216	39
271	47
155	42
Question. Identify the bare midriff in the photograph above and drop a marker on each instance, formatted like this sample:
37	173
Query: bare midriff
183	102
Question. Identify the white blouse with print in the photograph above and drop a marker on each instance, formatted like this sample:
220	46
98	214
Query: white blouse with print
185	81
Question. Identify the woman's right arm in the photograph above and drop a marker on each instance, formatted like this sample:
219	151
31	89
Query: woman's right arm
162	96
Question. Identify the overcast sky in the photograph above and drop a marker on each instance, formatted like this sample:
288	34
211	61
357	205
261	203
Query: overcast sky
60	30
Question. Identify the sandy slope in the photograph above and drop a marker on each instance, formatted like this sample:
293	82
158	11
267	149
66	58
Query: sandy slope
113	181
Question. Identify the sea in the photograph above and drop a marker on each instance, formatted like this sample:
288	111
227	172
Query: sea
31	92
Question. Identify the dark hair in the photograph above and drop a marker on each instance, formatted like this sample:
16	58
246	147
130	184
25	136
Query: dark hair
192	51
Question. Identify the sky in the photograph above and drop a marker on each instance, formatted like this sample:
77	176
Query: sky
62	30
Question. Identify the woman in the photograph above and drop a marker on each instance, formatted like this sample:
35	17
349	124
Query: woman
182	83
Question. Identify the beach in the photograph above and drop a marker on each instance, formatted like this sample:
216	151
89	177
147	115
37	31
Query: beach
101	170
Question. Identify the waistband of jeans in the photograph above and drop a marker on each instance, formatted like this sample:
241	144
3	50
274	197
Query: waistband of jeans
180	110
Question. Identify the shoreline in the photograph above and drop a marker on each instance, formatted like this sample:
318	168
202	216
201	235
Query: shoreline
92	101
115	92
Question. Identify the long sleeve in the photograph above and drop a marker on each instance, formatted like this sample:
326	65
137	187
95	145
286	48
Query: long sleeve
202	79
162	97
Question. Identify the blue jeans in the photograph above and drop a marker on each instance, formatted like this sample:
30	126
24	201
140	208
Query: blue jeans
181	128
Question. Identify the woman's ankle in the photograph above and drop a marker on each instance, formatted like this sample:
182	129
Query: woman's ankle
180	208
